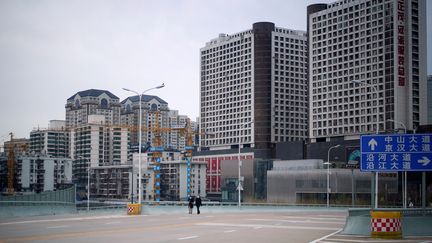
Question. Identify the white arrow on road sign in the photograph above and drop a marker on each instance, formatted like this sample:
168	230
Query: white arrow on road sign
424	161
372	143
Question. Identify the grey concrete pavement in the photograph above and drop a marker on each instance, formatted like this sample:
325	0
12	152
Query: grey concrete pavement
174	224
174	227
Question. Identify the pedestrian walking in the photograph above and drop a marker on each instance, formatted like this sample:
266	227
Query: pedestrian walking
198	204
190	204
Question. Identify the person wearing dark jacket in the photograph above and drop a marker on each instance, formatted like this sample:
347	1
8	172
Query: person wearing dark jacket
198	204
191	203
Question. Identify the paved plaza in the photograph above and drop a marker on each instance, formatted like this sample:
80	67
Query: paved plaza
161	224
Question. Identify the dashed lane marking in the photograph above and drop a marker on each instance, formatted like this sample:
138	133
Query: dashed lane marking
269	226
296	221
188	237
57	227
69	219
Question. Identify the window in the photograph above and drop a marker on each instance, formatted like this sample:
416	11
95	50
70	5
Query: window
104	104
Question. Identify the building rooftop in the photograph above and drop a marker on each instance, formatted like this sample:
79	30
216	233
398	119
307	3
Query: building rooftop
93	93
145	98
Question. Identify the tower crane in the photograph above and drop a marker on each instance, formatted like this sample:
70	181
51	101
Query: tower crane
157	148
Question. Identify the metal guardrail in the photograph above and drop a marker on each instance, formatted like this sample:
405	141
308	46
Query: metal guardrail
32	203
65	195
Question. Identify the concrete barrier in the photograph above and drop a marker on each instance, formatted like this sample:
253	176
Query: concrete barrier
415	222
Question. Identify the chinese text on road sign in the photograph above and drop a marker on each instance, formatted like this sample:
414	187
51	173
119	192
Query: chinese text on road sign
396	152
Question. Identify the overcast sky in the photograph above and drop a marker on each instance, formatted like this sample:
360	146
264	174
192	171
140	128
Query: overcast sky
50	50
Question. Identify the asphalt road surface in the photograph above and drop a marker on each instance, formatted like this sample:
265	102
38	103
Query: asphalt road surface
263	227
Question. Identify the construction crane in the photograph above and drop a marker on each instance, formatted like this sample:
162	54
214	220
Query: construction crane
13	148
157	148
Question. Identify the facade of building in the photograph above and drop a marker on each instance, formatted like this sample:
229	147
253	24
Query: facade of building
35	174
429	98
174	177
92	102
19	145
222	172
254	88
97	144
111	182
174	180
154	115
176	138
310	187
53	141
367	59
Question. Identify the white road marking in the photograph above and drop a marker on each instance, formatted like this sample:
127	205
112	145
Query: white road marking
325	237
348	240
296	221
57	227
71	219
268	226
188	237
342	219
229	231
115	222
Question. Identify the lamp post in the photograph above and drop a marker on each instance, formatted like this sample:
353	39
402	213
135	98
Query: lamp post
398	122
404	194
328	173
239	188
88	187
377	129
139	138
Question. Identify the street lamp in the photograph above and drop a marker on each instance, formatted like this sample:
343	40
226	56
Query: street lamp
398	122
377	129
239	188
328	172
139	137
404	194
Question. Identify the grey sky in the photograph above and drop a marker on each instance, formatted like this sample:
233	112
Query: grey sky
49	50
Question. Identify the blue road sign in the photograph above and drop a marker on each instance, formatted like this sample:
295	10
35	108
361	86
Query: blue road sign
156	149
396	152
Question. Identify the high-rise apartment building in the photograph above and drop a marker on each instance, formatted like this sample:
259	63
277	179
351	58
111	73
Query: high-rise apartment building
92	102
254	88
154	115
177	138
367	58
43	173
53	141
36	173
96	144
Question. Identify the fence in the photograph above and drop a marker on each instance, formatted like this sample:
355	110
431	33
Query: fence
45	203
